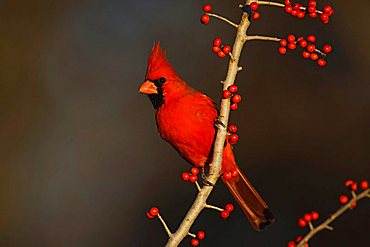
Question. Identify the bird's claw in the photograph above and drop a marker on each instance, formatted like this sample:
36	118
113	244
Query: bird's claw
219	123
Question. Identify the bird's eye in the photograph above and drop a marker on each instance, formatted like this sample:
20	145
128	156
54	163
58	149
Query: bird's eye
162	80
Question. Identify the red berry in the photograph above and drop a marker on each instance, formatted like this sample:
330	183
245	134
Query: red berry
353	204
302	222
233	88
311	38
296	6
185	176
233	128
234	173
301	14
331	13
364	184
303	43
312	3
233	138
354	187
194	242
307	217
217	42
306	54
348	183
234	106
298	239
226	94
227	175
327	48
282	50
288	8
193	178
314	56
236	98
154	211
149	215
291	244
343	199
194	171
313	15
201	235
226	49
283	42
292	46
216	49
256	16
294	12
225	214
324	17
311	9
315	215
221	54
207	8
287	2
229	207
299	38
291	38
253	6
311	48
321	62
327	9
205	19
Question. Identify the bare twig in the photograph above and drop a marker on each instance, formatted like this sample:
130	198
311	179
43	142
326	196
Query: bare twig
223	19
214	173
326	223
281	5
164	225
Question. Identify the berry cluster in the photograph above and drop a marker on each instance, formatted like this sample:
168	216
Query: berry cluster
219	49
195	241
302	222
297	240
152	212
226	212
310	50
192	176
296	9
254	14
205	19
235	98
353	187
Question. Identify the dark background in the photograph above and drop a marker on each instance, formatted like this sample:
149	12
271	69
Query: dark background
81	160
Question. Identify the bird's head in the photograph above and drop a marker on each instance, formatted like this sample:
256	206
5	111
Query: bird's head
161	81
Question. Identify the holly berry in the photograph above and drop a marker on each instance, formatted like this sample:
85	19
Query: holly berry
296	6
234	106
364	184
327	9
311	48
201	235
233	88
194	242
303	43
217	42
292	46
311	38
314	56
311	9
343	199
306	54
205	19
321	62
227	175
294	12
207	8
348	183
288	9
313	15
315	215
229	207
354	187
149	215
236	98
234	173
233	138
226	94
154	211
302	222
283	42
221	54
327	48
298	239
324	18
353	204
194	171
291	38
216	49
185	176
287	2
226	49
225	214
253	6
291	244
301	14
312	3
256	16
233	128
307	217
193	178
282	50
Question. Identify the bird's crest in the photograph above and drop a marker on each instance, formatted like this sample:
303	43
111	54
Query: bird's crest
158	65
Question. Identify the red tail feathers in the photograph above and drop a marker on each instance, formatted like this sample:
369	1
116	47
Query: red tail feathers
247	197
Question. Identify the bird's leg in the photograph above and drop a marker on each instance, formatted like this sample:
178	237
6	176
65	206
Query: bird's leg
219	123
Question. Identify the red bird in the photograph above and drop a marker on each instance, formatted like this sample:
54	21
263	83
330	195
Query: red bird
186	120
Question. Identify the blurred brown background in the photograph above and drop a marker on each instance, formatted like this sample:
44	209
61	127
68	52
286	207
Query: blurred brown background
80	157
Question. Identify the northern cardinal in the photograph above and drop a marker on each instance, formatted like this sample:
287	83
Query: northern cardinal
186	119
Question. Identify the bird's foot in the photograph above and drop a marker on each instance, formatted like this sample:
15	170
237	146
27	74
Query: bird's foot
219	123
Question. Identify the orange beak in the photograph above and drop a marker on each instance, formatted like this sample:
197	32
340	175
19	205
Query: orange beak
148	87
